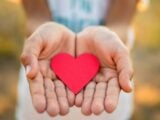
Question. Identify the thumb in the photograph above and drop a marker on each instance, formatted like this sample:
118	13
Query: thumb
31	65
30	53
125	71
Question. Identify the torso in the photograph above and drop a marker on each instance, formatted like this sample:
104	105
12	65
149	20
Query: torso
78	14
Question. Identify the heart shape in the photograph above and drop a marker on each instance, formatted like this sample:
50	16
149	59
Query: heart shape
75	72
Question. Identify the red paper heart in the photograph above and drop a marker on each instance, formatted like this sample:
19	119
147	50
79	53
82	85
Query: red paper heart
75	72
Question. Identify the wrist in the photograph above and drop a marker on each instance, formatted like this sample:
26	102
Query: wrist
125	33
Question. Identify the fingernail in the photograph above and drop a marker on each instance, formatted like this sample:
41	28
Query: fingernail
28	68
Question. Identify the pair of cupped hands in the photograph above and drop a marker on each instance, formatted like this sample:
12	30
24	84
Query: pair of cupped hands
102	93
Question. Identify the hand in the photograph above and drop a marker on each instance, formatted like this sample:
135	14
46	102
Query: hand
48	40
115	73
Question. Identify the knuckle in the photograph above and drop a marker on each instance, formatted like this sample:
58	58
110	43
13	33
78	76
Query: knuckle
113	92
91	85
37	92
60	93
26	58
23	58
60	90
58	83
101	85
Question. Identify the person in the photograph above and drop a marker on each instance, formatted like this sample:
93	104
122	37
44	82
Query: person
96	26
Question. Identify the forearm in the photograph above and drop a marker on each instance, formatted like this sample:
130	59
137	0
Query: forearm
120	17
32	24
120	30
125	34
37	13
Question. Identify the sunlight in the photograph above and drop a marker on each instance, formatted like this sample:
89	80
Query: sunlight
147	95
143	5
15	1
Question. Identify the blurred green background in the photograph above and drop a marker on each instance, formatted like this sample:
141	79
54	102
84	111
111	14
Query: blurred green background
146	58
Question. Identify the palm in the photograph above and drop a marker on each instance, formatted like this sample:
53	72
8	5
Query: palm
57	101
41	46
53	46
101	42
111	52
108	48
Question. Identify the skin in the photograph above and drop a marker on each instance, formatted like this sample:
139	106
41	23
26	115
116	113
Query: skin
45	91
115	73
50	94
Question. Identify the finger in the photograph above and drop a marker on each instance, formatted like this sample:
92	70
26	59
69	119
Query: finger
112	95
109	74
98	100
52	102
88	96
62	97
46	70
99	78
30	53
31	66
105	75
125	71
38	93
71	97
79	99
